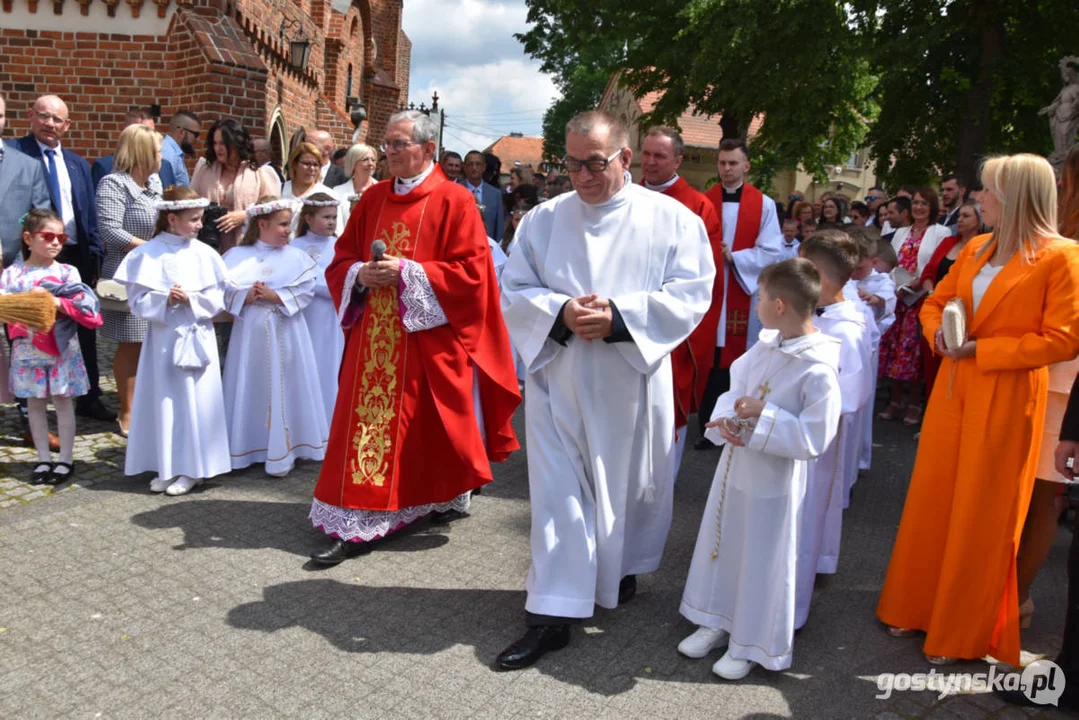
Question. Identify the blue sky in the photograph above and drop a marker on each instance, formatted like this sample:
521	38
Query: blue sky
465	50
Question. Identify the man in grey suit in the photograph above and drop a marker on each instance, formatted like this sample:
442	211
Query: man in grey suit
487	195
22	187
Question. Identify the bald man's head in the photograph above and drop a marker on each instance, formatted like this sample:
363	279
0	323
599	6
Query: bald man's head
49	120
324	142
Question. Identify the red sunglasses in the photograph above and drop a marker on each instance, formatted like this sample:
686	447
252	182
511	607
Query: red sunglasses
50	236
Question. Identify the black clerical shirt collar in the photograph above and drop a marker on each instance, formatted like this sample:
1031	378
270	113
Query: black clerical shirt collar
733	196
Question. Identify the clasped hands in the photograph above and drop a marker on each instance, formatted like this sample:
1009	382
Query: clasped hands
745	408
177	296
380	273
966	350
588	317
262	292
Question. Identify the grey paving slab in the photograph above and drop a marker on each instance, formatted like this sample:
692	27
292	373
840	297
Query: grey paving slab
116	603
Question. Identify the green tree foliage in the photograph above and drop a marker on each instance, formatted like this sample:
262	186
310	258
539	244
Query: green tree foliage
961	79
797	61
929	85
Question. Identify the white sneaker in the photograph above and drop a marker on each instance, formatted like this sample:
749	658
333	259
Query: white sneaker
183	485
729	668
160	484
702	642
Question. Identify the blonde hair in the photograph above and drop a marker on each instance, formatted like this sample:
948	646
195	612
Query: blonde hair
137	150
1026	188
304	148
356	153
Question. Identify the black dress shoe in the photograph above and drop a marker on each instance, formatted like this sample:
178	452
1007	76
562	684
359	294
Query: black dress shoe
61	473
704	443
536	643
339	551
94	409
627	589
447	516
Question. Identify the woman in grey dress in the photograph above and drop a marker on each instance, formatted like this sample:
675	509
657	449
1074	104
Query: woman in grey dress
125	219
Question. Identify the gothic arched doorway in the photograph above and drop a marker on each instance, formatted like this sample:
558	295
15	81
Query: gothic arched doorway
278	140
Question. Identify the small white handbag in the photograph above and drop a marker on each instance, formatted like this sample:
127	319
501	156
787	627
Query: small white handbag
954	323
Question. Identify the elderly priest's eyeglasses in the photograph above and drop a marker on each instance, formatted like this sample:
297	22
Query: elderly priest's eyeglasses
396	145
594	165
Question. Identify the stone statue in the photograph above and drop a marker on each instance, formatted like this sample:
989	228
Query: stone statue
1064	111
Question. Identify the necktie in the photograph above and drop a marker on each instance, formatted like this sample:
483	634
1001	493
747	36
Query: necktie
54	179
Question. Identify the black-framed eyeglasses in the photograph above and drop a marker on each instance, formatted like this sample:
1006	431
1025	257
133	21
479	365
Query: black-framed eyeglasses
396	145
594	165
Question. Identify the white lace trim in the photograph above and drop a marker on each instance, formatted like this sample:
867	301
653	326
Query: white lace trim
422	311
346	291
367	525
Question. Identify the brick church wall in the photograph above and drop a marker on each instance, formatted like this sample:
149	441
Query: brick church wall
217	58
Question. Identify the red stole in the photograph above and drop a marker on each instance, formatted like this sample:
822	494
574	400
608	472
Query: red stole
746	231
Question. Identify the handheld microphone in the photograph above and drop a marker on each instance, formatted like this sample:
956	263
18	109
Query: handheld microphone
377	249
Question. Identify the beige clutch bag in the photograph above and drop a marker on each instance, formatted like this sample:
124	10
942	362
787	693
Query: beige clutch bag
954	323
112	295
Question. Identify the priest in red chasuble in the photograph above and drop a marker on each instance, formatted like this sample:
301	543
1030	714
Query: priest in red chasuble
752	240
427	383
661	156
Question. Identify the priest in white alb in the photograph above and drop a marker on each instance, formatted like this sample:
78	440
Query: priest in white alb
603	284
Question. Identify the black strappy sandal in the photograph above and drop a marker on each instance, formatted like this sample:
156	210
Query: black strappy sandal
56	478
40	476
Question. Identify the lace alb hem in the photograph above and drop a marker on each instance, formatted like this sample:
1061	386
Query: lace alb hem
348	312
419	306
367	525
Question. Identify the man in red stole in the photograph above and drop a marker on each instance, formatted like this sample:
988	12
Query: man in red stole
427	383
752	240
691	362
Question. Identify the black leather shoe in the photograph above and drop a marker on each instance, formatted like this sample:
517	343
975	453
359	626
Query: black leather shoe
627	589
536	643
339	551
446	517
94	409
704	443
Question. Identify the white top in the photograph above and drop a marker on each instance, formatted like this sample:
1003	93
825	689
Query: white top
67	205
981	283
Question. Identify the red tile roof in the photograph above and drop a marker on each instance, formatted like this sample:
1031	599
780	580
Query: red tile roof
511	150
697	130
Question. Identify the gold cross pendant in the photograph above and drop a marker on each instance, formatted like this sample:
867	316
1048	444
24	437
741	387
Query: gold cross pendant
765	388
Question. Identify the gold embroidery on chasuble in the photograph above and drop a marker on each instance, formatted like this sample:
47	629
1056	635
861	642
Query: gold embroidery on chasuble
383	357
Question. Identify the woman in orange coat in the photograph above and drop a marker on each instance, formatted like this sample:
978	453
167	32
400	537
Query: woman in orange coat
953	572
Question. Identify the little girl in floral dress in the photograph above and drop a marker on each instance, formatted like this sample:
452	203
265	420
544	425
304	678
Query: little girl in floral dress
49	364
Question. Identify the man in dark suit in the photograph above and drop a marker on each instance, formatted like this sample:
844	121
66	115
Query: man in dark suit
486	194
71	190
1068	658
22	187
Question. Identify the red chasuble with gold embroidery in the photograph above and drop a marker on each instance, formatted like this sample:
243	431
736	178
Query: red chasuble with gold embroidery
404	431
692	360
750	209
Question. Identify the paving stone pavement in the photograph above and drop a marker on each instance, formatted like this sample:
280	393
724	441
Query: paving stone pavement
115	603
